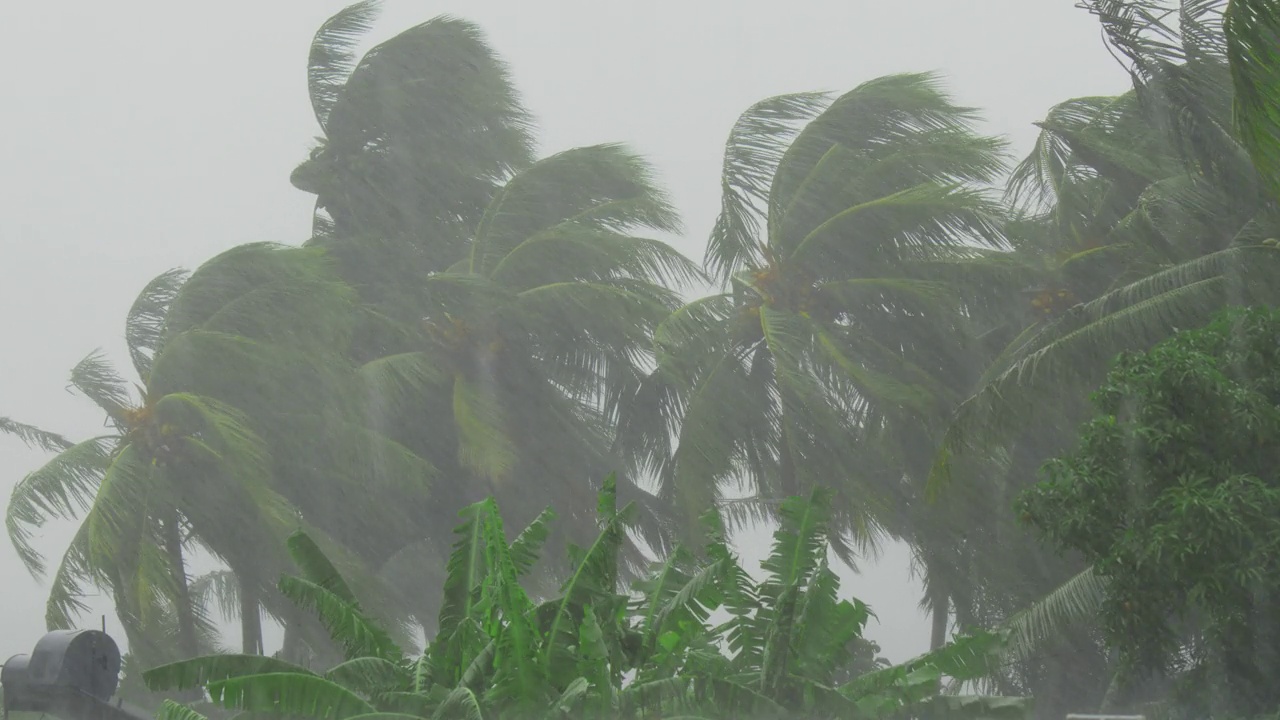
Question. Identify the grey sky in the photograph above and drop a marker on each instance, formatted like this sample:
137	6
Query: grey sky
144	135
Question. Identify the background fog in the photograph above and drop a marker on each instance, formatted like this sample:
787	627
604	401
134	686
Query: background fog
139	136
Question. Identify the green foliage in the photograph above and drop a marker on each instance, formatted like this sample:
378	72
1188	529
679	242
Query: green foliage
1172	494
842	221
1253	36
596	651
468	313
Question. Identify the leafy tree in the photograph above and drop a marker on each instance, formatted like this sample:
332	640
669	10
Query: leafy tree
1140	214
1172	494
1156	201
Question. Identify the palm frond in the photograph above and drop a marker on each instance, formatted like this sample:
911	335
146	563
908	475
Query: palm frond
402	377
600	186
1037	181
484	438
433	157
1253	36
923	216
1073	351
145	322
63	488
34	437
874	114
755	148
346	623
219	588
332	56
120	512
65	604
1077	601
229	276
97	380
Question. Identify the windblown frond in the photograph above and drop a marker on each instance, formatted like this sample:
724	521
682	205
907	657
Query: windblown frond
63	488
1075	602
348	625
755	148
170	710
198	672
1071	351
1253	39
33	436
145	322
289	693
97	380
220	589
332	56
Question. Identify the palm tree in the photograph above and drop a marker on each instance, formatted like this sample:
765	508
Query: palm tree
294	321
243	381
418	135
531	346
139	488
1146	213
843	229
1189	226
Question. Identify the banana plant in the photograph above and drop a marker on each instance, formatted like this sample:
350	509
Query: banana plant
596	650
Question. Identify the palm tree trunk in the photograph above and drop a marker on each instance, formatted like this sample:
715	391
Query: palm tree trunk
125	612
1111	698
250	618
291	649
941	620
188	642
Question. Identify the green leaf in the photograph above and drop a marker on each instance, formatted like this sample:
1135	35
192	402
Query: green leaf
289	694
346	623
369	674
461	704
485	445
528	544
198	672
63	488
755	148
317	568
33	436
170	710
97	380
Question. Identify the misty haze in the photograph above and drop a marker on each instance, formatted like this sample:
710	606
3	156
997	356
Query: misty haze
667	360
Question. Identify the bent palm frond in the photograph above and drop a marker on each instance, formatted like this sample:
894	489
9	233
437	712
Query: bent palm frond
1074	602
1073	352
145	322
33	436
1253	36
332	57
63	488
